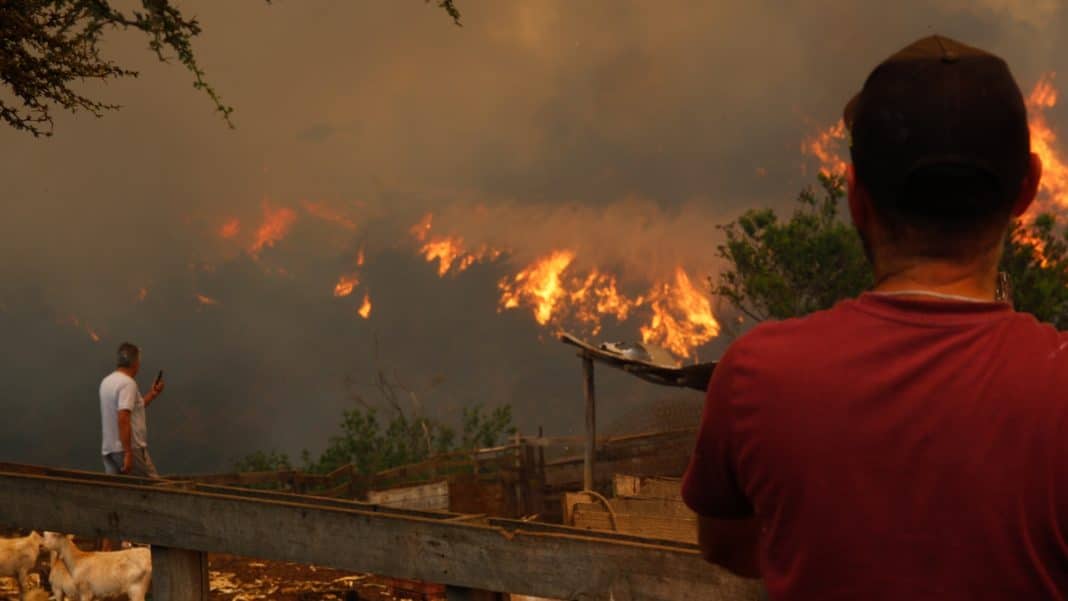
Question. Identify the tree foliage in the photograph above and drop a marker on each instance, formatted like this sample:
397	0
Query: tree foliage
49	46
781	269
1036	259
387	427
263	461
373	444
778	269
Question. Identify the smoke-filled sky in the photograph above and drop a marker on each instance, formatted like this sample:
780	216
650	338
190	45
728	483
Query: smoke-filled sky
619	130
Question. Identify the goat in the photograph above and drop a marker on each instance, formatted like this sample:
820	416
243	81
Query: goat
103	573
18	556
35	594
59	579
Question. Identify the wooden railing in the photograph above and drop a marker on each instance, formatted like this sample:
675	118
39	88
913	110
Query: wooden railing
185	520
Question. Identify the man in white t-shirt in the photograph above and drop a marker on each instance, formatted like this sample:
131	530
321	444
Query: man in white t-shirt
122	417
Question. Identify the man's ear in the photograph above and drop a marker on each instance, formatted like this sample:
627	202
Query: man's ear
1029	189
859	203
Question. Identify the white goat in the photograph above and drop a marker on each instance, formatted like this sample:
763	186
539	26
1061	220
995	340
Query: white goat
103	573
60	580
18	556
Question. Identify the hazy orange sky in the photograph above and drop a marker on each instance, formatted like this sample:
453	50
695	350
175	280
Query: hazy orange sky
625	130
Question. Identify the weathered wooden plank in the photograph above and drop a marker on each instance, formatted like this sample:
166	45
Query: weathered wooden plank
432	496
511	525
179	575
453	553
593	516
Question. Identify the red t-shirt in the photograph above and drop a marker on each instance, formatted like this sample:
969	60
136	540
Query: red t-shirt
894	449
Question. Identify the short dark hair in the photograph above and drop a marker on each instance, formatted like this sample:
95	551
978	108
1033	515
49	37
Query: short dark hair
127	354
943	211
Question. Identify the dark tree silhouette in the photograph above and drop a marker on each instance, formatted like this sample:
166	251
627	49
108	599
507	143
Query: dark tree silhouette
48	46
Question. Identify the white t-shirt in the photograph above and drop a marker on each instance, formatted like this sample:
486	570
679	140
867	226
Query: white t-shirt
119	392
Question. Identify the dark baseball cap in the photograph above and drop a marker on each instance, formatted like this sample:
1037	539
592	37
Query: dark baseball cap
939	103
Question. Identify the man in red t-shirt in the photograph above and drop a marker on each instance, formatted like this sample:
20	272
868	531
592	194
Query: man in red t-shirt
911	443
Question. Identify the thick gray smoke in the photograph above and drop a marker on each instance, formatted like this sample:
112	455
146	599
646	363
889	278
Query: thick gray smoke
621	129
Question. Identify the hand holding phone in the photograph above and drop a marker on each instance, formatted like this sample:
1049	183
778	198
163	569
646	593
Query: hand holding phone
157	386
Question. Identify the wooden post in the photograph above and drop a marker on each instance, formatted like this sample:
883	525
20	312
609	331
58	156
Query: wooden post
591	423
179	575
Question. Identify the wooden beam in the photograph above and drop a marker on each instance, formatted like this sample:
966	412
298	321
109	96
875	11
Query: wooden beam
179	575
543	564
591	422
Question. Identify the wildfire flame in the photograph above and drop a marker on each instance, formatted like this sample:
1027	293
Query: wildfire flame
230	229
142	294
365	309
345	285
449	251
680	319
1053	187
827	147
206	300
275	226
539	285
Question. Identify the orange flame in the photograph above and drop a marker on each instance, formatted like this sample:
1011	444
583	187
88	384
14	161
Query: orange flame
206	300
451	255
826	146
449	251
230	229
1053	187
682	317
275	226
1024	237
365	309
360	258
142	294
539	285
345	285
326	213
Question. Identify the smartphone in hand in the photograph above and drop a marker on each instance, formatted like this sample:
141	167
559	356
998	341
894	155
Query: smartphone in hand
159	377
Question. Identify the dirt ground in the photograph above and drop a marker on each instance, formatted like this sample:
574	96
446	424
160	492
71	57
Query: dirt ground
242	579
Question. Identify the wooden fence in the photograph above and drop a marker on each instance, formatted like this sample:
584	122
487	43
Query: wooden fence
184	520
530	483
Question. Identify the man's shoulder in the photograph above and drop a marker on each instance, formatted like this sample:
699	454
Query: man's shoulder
785	334
116	379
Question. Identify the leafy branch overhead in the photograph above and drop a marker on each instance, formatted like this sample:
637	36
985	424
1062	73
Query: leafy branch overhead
48	46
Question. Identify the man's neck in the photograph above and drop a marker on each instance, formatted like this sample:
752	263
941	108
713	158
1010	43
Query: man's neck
127	371
978	281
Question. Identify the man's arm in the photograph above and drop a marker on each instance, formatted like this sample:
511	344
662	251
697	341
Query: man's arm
727	529
732	544
126	438
157	389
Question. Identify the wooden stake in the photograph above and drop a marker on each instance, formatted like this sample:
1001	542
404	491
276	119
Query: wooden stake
591	422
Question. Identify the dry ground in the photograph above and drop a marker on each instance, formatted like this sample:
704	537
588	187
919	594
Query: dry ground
241	579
